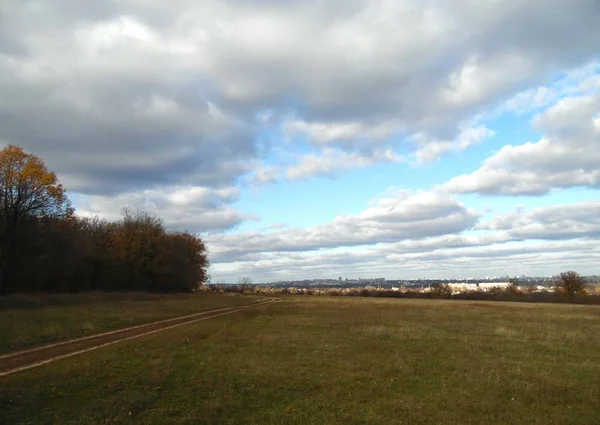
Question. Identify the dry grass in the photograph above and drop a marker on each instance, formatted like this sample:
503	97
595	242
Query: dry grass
334	360
28	320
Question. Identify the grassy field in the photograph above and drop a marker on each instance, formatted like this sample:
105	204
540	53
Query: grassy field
314	360
32	320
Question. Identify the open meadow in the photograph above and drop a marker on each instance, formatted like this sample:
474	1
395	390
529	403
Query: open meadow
29	320
329	360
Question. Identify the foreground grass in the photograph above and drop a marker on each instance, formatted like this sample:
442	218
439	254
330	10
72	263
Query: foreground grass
32	320
334	360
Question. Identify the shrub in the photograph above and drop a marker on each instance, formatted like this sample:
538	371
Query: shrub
512	288
441	291
365	292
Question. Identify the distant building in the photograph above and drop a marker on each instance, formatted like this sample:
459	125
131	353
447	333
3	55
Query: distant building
489	285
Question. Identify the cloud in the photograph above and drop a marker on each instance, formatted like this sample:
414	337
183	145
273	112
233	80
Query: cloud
332	161
567	156
432	149
349	131
390	219
265	175
114	103
532	259
174	107
578	82
556	222
540	241
123	96
194	209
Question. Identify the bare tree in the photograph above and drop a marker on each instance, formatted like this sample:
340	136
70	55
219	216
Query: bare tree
244	283
569	283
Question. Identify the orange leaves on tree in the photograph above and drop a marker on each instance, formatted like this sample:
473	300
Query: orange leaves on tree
28	188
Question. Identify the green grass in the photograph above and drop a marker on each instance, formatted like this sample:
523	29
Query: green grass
314	360
27	321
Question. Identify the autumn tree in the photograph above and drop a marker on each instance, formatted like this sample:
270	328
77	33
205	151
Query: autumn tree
28	190
188	261
44	247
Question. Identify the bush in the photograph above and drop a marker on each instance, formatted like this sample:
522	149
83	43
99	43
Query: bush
441	291
513	289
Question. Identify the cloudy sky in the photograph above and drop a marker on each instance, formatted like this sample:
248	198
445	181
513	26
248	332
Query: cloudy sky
354	138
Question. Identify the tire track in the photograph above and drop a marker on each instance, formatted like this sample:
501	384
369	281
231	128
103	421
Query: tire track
38	356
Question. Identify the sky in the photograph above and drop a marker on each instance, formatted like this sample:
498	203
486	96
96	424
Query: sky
311	139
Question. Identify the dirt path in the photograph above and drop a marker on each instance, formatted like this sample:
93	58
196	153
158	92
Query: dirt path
33	357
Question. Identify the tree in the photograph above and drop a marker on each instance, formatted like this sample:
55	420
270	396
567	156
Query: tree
443	290
513	288
569	283
28	190
244	283
44	247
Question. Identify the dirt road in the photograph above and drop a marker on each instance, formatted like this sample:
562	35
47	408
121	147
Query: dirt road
33	357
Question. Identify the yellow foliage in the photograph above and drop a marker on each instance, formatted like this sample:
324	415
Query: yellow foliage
28	188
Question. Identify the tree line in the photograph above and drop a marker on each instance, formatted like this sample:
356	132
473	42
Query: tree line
45	247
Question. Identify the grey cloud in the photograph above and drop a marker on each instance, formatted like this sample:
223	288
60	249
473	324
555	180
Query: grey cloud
114	120
402	79
571	221
426	68
120	97
194	209
11	47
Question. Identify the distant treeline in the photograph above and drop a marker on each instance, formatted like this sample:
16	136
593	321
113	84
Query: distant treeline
44	247
569	287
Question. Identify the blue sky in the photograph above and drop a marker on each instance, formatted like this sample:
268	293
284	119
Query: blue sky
323	139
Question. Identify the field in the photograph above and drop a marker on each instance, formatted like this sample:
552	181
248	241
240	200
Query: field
27	320
330	360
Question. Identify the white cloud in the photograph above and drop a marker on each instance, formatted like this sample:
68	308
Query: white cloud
265	174
541	241
536	258
332	161
328	132
389	219
432	149
567	156
578	82
477	78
